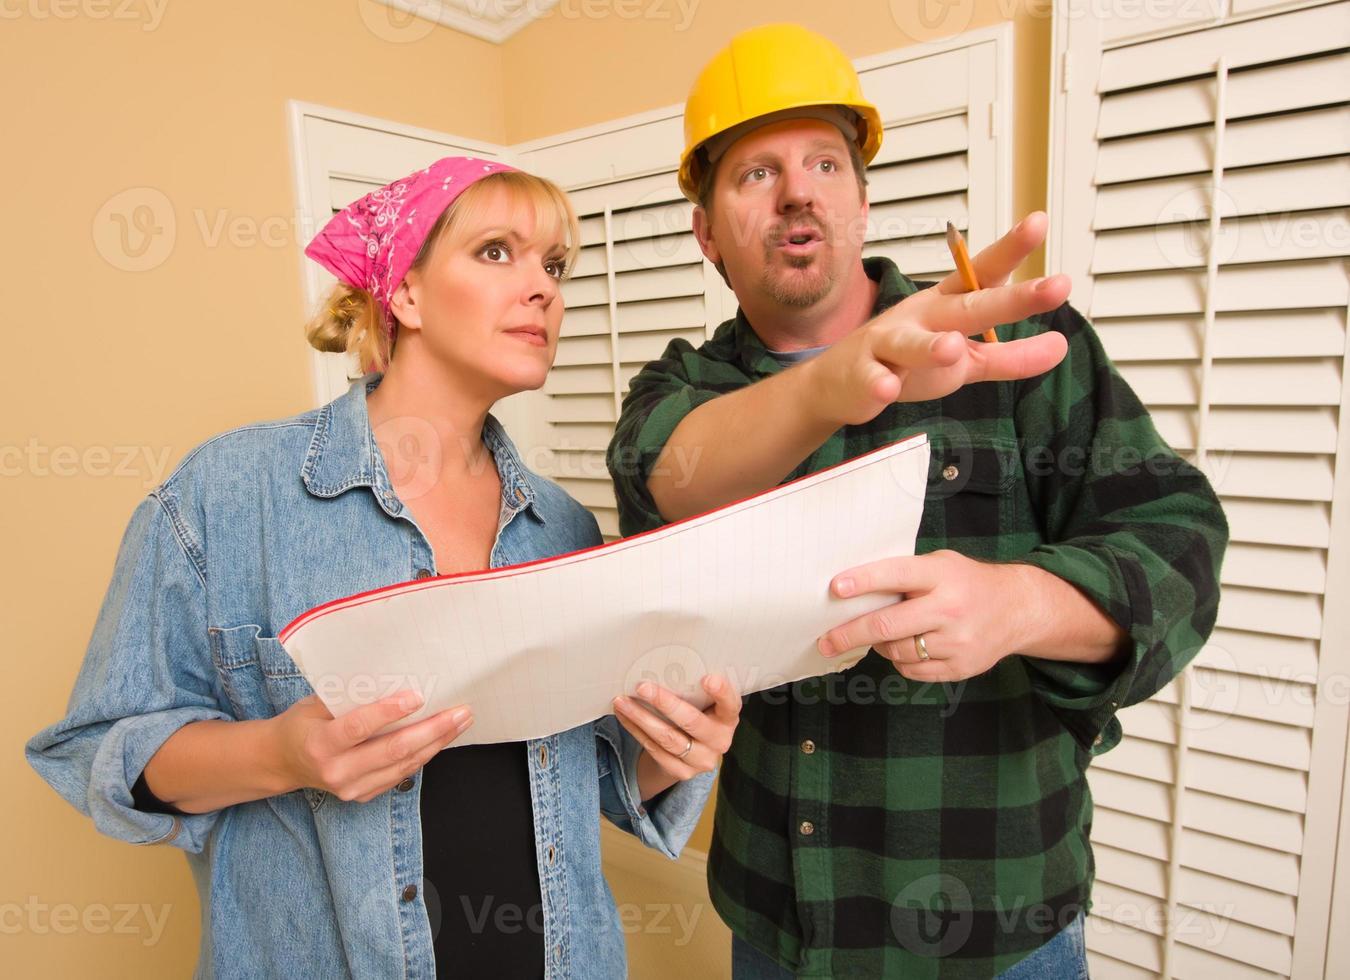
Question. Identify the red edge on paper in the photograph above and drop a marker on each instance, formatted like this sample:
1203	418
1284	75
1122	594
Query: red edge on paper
506	571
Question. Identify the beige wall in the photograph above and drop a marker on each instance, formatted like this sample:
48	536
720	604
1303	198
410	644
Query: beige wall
188	100
157	360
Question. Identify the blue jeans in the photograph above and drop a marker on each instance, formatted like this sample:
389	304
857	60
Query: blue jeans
1063	958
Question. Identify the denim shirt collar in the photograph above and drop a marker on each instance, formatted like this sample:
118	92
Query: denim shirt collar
343	454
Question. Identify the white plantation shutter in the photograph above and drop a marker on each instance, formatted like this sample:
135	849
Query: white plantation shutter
942	158
1199	192
639	283
641	280
340	157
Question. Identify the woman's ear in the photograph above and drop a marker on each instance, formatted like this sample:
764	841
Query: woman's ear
406	299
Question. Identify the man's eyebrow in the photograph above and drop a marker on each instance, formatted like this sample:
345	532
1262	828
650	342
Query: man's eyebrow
824	144
763	156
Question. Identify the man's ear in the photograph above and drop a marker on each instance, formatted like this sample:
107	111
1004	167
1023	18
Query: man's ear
703	232
405	302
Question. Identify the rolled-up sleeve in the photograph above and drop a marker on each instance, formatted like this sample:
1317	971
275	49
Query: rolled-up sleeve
146	673
666	821
1132	525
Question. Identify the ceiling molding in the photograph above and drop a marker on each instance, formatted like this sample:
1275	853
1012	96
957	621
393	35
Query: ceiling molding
491	20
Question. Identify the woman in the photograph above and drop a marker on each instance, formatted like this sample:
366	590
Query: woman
320	847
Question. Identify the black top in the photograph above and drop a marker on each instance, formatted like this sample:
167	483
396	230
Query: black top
481	882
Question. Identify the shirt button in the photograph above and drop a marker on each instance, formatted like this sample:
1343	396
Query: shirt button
551	853
520	495
409	893
808	746
807	828
406	785
950	472
557	953
1097	741
543	755
424	573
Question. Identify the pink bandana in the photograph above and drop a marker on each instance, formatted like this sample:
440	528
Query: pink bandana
371	243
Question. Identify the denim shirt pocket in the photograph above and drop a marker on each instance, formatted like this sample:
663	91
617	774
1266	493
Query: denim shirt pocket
259	677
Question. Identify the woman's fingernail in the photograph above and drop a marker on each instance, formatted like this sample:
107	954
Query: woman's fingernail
460	715
646	689
825	647
844	586
621	703
409	701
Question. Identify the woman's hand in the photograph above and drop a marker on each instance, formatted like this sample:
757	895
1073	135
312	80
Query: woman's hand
696	741
343	755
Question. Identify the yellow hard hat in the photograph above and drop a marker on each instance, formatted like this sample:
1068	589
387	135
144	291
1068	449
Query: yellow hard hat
766	70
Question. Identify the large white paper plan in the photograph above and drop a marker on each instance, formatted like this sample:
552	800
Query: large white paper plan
542	647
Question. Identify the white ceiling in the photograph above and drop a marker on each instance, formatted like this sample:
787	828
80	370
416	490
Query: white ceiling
492	20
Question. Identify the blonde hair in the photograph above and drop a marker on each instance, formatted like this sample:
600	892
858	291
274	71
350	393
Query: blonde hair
350	319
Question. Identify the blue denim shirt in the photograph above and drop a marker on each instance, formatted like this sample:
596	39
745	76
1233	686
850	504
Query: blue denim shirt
254	527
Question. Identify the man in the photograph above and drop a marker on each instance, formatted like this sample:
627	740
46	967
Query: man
926	812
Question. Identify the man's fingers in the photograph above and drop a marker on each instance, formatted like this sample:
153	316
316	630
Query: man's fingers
909	573
932	671
907	618
1017	359
975	312
361	723
917	345
995	263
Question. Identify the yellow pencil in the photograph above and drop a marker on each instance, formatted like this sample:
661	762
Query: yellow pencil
957	245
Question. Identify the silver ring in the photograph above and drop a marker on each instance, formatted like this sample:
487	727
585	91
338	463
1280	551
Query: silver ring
922	647
687	749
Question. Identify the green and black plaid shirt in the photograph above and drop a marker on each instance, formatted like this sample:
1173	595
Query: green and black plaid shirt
867	825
